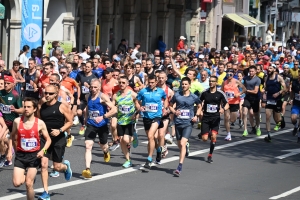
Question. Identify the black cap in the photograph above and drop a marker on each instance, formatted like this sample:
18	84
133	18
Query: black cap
109	69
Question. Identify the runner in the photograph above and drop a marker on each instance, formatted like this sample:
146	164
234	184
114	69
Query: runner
287	79
272	99
295	101
152	107
25	139
31	80
215	103
134	80
252	101
58	118
184	118
126	102
96	120
231	88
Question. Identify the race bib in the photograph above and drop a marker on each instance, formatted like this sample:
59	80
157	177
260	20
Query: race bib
85	90
184	114
28	143
5	109
59	99
124	109
212	108
229	95
94	114
271	102
29	87
68	99
151	107
297	97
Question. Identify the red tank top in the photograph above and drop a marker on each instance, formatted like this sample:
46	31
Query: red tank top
230	90
28	139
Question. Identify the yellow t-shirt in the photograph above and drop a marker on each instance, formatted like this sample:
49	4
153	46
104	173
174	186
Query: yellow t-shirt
221	78
182	69
294	73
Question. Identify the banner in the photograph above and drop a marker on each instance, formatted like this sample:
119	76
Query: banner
32	23
65	45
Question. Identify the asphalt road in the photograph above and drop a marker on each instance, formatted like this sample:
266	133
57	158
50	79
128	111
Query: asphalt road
243	169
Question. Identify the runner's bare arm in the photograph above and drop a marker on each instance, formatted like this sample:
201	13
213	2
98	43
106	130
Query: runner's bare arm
43	131
113	110
13	135
136	102
283	86
67	112
241	86
138	81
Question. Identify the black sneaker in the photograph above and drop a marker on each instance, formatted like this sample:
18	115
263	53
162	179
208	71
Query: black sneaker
268	139
148	165
282	123
253	131
295	131
209	159
158	156
232	124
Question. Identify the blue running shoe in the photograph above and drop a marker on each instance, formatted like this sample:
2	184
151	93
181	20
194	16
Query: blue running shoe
127	164
44	196
54	174
135	142
68	172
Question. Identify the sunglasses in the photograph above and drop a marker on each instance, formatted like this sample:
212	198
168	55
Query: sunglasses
50	93
63	72
122	82
212	81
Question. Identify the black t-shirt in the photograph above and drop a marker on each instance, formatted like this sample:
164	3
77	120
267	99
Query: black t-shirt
82	78
212	102
296	90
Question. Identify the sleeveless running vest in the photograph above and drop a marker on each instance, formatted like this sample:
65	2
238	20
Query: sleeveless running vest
107	88
273	86
96	109
28	139
126	108
29	78
230	89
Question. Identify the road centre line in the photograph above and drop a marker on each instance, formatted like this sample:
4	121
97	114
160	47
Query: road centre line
125	171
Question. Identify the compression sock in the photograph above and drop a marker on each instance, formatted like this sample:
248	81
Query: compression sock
81	120
179	168
212	146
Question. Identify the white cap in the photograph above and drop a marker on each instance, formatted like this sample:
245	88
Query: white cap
201	56
226	48
182	38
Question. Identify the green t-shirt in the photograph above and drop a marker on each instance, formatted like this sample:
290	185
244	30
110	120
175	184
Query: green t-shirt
196	86
11	98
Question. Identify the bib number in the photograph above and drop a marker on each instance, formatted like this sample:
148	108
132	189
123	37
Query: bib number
271	102
28	143
151	107
85	90
29	87
94	114
5	109
184	114
124	109
211	108
297	97
230	95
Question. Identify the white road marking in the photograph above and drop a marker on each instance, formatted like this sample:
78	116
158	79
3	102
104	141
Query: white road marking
125	171
292	153
285	194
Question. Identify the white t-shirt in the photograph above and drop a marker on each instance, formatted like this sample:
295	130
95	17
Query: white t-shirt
23	60
134	53
85	56
56	62
205	84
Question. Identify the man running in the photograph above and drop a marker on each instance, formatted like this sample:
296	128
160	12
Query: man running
295	101
184	118
153	108
126	102
25	139
31	80
96	119
231	88
274	88
58	118
215	102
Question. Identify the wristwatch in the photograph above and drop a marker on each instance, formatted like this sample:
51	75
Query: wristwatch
60	131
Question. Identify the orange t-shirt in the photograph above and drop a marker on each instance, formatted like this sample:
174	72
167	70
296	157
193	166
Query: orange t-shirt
45	80
69	83
102	66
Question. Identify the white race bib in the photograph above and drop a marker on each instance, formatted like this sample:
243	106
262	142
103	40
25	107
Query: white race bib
85	90
297	97
271	102
28	143
229	95
124	109
151	107
184	114
212	108
68	99
29	87
5	109
94	114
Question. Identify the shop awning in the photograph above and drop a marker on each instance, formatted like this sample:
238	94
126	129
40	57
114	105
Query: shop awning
239	20
251	19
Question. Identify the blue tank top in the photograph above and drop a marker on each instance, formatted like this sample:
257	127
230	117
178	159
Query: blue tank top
96	109
273	86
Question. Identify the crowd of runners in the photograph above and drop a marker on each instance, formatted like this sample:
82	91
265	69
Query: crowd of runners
43	96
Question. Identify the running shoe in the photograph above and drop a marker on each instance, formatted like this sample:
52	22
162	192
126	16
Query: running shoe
267	139
232	124
177	173
86	173
241	124
258	132
168	138
2	160
298	140
106	157
51	167
75	121
158	156
114	146
277	127
7	163
253	131
228	138
209	159
245	133
165	151
187	153
54	174
44	196
70	141
199	125
82	130
68	172
127	164
148	165
295	130
135	142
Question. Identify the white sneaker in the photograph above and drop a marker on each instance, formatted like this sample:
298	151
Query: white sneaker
168	138
75	121
228	138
